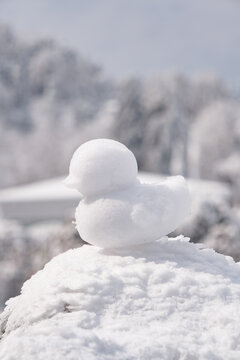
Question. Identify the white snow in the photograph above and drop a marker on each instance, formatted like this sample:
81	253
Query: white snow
117	209
52	189
165	300
101	165
138	214
50	199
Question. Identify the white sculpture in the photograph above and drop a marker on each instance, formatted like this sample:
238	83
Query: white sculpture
116	209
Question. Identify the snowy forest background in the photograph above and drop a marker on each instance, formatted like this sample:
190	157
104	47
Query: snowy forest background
52	100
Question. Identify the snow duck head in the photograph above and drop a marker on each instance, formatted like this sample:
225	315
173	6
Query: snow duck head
101	165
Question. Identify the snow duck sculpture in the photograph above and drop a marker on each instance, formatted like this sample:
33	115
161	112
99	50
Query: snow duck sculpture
117	210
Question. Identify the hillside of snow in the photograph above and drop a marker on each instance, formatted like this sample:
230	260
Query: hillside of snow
167	300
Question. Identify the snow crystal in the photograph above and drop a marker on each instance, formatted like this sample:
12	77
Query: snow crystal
164	300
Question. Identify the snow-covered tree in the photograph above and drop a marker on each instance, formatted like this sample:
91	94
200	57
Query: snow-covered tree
47	95
215	142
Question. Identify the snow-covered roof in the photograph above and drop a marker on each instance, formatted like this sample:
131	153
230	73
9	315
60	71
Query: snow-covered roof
39	201
52	189
165	300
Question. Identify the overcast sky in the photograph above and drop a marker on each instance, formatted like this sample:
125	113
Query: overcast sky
138	36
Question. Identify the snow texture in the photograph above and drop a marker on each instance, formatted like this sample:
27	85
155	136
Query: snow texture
100	166
170	299
117	209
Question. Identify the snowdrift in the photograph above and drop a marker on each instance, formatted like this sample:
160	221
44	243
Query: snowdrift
167	300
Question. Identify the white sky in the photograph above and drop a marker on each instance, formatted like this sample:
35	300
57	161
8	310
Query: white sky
138	36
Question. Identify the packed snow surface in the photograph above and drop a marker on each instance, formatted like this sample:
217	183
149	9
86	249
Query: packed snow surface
101	165
166	300
117	209
137	214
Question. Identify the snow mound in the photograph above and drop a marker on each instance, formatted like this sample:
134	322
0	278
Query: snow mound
166	300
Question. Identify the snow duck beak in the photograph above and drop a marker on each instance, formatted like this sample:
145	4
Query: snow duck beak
71	182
